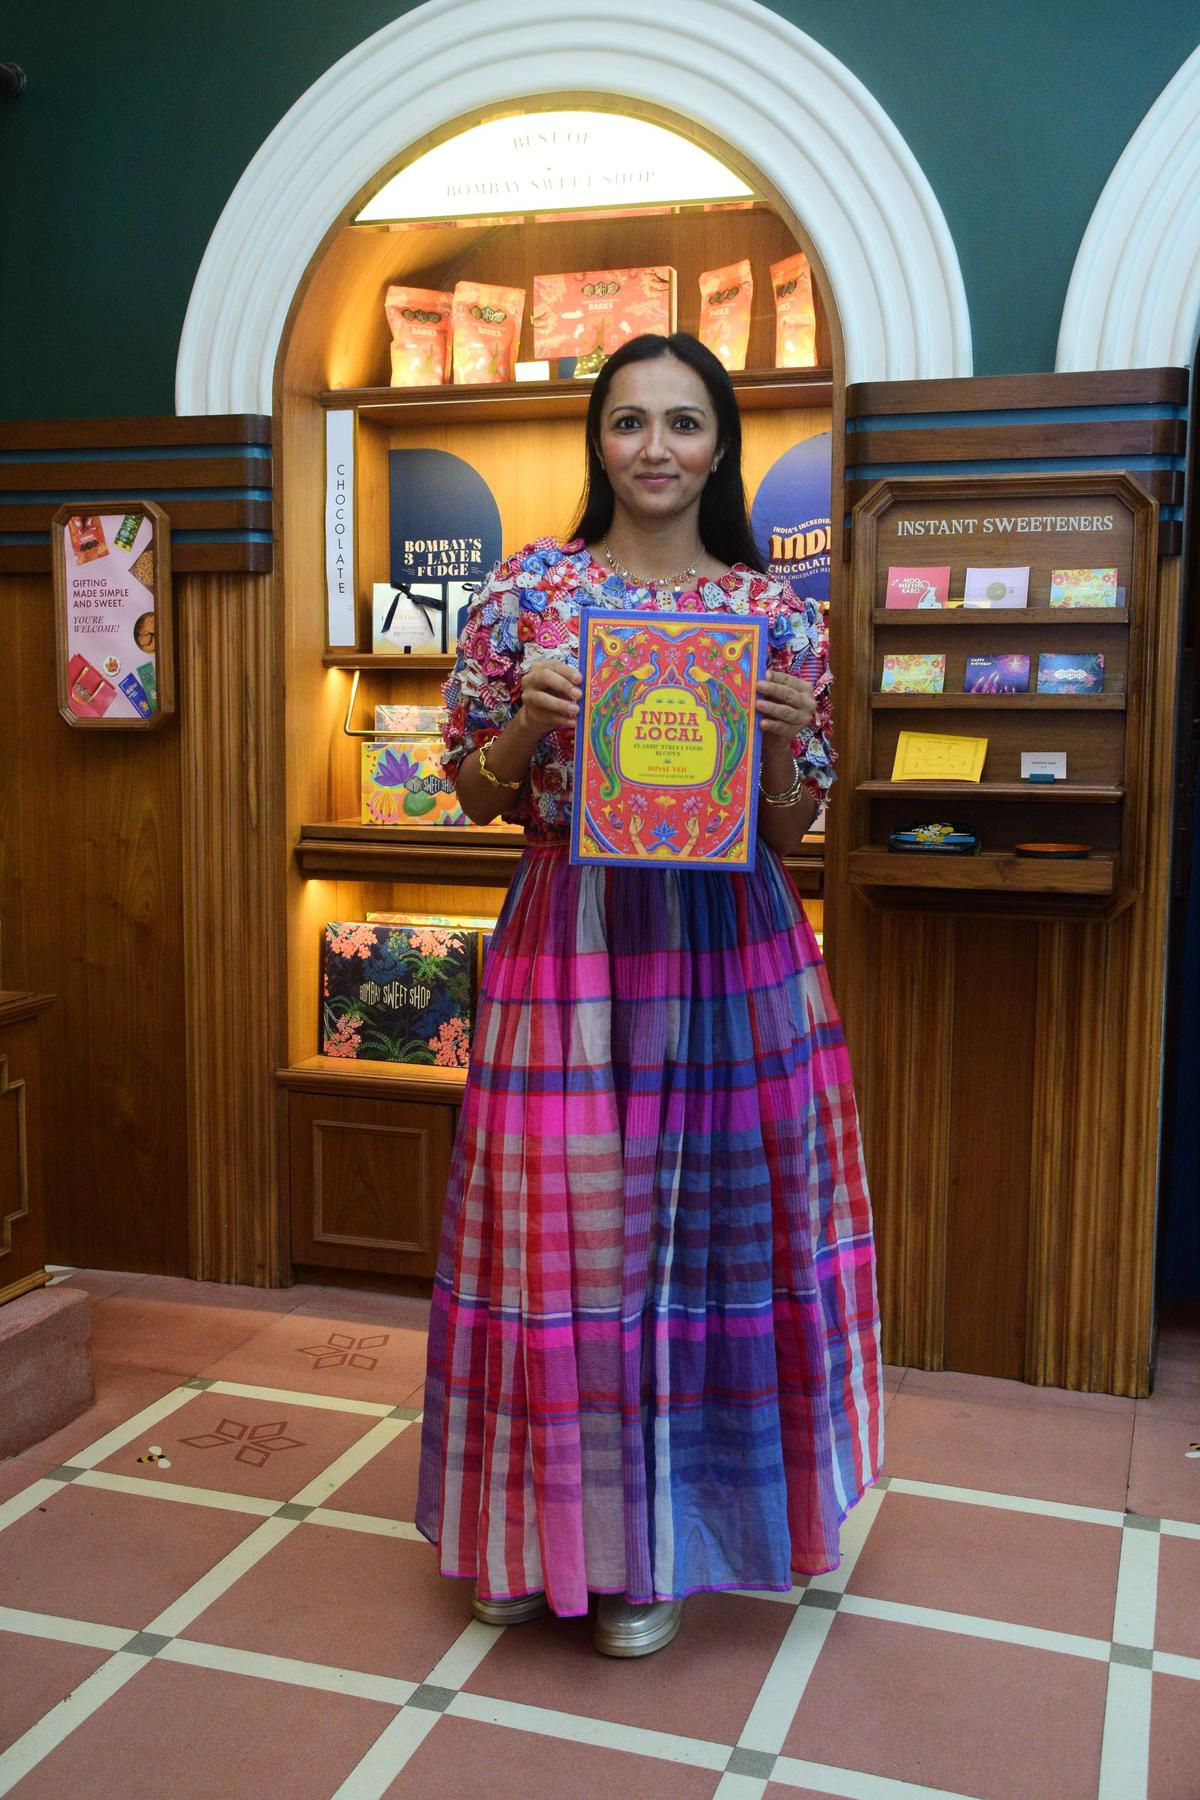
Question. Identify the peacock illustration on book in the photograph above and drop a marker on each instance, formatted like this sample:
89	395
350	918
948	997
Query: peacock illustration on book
667	751
399	993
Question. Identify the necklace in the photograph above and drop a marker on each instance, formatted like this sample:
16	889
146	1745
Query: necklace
661	581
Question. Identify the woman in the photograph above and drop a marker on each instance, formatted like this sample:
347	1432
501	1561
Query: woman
653	1353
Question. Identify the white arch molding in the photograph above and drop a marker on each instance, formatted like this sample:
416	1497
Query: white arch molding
751	78
1134	297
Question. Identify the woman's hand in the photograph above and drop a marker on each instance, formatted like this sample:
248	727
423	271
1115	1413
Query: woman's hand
786	706
550	696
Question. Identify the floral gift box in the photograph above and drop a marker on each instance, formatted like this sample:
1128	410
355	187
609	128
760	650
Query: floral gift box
399	993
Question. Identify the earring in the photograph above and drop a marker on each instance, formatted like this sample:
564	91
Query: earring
716	465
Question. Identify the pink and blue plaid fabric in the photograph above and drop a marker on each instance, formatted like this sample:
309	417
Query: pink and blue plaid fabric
654	1359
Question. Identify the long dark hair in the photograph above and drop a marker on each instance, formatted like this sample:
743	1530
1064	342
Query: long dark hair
724	520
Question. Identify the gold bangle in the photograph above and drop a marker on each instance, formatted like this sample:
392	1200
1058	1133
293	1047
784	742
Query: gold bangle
497	781
789	795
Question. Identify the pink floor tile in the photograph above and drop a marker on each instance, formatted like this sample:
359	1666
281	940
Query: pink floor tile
1003	1437
116	1559
1051	1573
167	1334
200	1734
325	1354
462	1760
179	1290
238	1446
38	1673
995	1720
1164	1482
1174	1739
402	1312
385	1487
702	1685
120	1392
347	1598
102	1284
1176	1389
1177	1620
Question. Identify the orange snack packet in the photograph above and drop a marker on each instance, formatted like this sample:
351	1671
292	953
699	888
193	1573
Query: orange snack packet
795	317
87	538
419	319
600	309
487	329
726	301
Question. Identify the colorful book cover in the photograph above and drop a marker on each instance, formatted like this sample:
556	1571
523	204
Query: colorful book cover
1083	587
667	750
996	587
913	675
909	587
996	675
398	993
480	929
1061	673
600	309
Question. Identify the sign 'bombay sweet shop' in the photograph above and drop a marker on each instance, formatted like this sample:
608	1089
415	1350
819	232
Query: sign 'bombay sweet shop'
553	162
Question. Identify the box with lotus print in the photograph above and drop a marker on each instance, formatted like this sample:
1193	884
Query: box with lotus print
404	783
399	993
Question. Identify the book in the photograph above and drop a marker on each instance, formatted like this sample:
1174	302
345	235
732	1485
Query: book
996	587
913	674
1083	587
1060	672
932	756
398	993
600	309
909	587
667	747
996	675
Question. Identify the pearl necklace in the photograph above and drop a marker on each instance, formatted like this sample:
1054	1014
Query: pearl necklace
671	581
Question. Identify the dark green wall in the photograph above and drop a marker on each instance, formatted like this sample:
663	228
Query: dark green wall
116	162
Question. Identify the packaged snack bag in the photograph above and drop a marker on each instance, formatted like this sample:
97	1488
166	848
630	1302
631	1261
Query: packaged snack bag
487	328
600	309
726	300
87	538
795	318
419	319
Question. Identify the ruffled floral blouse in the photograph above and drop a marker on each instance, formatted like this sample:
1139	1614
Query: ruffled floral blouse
528	610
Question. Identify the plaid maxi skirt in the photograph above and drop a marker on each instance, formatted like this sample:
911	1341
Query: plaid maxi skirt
653	1360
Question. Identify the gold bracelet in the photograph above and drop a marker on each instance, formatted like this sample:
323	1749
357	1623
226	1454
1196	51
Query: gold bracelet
787	796
497	781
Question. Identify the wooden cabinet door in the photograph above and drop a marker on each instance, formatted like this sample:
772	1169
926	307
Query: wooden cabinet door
368	1179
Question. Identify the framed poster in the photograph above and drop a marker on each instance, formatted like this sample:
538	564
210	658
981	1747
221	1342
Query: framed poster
667	750
112	615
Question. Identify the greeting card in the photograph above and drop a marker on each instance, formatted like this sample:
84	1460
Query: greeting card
1083	587
913	674
909	587
932	756
1061	673
996	675
666	750
996	587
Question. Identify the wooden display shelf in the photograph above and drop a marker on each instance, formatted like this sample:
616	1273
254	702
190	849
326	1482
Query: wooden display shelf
995	871
1062	792
478	856
758	390
1001	615
350	1077
1007	702
363	660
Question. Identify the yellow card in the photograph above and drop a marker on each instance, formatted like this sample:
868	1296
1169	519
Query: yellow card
927	756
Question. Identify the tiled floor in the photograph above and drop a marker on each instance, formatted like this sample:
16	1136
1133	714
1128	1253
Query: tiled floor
210	1586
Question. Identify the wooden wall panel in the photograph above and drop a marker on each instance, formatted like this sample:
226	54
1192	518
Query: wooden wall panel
233	898
90	910
368	1182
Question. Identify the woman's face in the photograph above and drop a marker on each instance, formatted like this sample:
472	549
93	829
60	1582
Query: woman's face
658	439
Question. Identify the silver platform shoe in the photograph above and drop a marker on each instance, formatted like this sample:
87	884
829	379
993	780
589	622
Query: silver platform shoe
623	1629
510	1612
